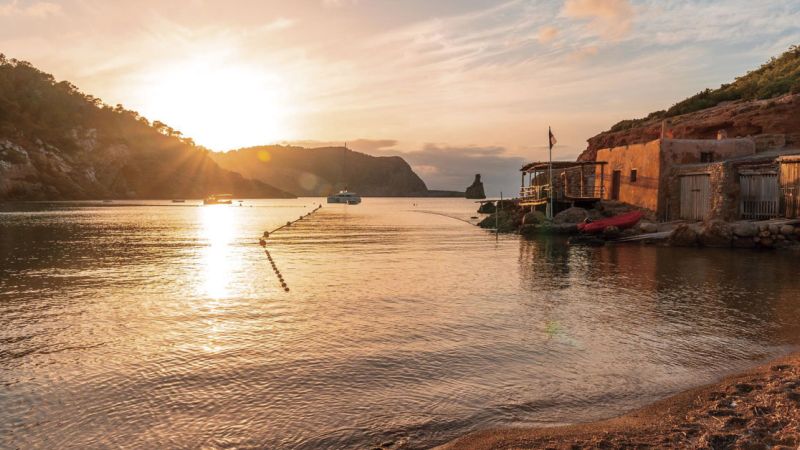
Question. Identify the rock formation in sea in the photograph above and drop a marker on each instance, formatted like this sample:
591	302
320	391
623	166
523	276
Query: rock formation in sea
475	190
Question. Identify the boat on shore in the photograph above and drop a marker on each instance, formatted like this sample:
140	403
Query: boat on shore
218	199
347	197
621	221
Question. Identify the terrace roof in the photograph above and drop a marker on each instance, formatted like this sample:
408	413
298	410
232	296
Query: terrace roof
544	165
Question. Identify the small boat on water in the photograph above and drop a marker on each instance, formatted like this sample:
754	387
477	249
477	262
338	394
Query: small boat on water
350	198
178	200
218	199
621	221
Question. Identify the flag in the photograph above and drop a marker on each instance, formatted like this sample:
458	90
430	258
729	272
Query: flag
553	140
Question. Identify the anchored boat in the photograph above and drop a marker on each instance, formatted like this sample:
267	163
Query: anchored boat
350	198
218	199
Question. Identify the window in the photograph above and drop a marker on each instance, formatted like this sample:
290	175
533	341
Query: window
634	175
706	157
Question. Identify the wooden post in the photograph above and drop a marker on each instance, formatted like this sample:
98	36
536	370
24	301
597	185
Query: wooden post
602	181
522	186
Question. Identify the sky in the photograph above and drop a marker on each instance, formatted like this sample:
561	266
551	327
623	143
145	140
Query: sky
456	87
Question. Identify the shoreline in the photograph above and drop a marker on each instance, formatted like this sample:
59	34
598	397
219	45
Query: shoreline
757	408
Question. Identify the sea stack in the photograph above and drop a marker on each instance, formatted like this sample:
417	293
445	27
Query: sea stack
475	190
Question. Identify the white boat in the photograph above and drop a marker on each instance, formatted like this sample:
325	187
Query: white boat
350	198
218	199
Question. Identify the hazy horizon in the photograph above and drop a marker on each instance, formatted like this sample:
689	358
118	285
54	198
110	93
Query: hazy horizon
455	87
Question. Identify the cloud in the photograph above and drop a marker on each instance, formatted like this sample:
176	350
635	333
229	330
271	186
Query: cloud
547	34
36	9
611	19
451	167
339	3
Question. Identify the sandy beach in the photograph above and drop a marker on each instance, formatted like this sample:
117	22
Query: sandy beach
756	409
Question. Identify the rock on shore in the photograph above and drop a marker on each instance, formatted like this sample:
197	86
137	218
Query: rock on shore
737	235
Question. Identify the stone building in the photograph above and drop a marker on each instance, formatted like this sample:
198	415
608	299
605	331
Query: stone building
754	187
639	174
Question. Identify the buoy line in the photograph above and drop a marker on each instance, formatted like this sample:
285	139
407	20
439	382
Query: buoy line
263	243
441	214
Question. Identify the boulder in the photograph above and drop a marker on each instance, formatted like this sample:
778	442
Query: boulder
487	208
766	242
648	227
571	215
528	230
611	232
716	234
683	236
787	230
475	190
744	229
743	242
534	217
774	229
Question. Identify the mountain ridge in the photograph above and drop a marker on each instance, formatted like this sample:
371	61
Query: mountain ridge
57	143
322	171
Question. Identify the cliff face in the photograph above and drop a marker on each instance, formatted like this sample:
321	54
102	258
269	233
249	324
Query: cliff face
322	171
57	143
40	171
778	116
763	104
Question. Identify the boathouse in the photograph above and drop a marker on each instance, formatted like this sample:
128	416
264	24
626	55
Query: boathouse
575	183
640	174
754	187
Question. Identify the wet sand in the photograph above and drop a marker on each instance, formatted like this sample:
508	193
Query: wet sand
757	409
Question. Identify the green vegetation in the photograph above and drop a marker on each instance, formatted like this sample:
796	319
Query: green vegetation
777	77
74	146
34	105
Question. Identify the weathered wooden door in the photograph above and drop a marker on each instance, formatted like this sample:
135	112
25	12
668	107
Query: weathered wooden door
790	185
616	179
760	196
695	197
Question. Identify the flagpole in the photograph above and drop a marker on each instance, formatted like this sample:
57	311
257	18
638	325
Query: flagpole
550	146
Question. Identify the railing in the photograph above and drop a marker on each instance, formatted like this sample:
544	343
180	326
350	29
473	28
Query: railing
533	193
585	192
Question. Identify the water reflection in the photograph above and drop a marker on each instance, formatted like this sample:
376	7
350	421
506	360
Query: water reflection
164	326
218	228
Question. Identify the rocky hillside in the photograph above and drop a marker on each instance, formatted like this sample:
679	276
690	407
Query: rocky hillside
322	171
765	101
58	143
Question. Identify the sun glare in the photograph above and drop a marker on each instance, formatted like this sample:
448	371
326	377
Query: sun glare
219	104
217	231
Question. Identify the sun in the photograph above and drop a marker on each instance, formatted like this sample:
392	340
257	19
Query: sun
220	104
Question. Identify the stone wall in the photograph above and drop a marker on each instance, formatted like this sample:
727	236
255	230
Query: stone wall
655	185
689	151
724	190
725	186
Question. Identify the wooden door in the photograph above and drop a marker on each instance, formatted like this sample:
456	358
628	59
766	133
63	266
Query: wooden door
790	185
616	179
695	197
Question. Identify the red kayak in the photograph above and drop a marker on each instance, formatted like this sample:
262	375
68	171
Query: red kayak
622	222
